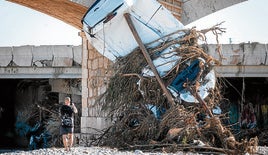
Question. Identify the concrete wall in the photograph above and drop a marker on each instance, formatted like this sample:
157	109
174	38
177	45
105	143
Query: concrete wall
241	60
41	56
46	61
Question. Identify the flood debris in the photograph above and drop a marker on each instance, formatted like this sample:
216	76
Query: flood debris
164	95
144	118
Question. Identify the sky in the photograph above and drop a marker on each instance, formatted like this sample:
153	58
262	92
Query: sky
244	22
23	26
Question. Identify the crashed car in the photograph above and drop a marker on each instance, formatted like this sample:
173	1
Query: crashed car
108	32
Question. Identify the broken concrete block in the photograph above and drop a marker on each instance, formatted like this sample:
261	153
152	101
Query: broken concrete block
5	55
42	56
22	56
62	56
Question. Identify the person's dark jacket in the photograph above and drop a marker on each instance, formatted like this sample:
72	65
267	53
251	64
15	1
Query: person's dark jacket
66	115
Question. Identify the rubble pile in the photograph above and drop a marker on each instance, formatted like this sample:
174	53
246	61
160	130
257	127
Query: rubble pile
146	120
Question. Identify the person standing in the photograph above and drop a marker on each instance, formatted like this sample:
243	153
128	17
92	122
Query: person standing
67	122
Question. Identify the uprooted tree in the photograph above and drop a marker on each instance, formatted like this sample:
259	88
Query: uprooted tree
143	117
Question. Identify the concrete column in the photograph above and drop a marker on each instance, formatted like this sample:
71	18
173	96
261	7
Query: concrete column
84	76
95	78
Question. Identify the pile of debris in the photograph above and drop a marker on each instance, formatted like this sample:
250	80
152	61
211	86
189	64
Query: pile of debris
144	117
164	95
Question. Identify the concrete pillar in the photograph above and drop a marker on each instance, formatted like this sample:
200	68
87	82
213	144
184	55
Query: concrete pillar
95	78
84	77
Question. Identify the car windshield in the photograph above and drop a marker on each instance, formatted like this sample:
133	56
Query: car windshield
99	10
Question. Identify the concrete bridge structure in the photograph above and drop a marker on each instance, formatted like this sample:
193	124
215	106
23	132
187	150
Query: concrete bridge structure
242	60
65	61
31	62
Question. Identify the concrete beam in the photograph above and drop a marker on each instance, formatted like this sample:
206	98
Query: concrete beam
195	9
248	54
242	71
39	73
241	60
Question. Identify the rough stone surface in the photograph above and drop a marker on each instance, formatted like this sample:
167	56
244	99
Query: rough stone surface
99	151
